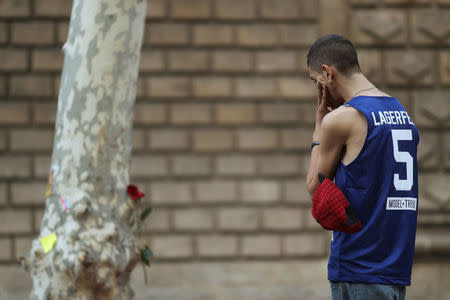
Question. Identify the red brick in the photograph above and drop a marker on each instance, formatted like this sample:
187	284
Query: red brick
213	35
190	9
15	221
33	33
256	87
197	219
235	9
260	191
169	139
152	61
146	165
282	218
14	8
53	8
31	139
62	30
261	245
170	193
158	221
217	245
212	140
299	35
257	139
22	247
280	9
3	193
150	113
169	86
13	59
44	113
174	246
166	34
295	191
236	114
215	191
138	139
5	249
191	165
235	164
276	61
41	165
14	113
298	138
232	61
306	244
156	8
212	87
298	88
190	113
47	60
188	60
3	32
238	219
279	164
32	193
257	35
31	85
280	113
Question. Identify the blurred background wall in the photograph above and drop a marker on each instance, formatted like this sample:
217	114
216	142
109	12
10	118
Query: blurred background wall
223	124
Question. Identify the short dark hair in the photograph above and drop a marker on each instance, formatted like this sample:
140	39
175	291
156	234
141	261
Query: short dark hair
333	50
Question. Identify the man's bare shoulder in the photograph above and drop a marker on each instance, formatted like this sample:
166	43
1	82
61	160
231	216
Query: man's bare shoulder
342	118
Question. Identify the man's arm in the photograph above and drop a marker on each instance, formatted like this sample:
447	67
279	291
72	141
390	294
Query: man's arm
332	134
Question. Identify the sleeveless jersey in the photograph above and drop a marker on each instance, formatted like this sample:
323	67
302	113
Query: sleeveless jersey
381	186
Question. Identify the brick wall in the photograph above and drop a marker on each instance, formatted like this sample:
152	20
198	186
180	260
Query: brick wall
223	121
224	118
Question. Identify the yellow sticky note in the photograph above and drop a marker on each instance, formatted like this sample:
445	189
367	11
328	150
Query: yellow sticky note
48	242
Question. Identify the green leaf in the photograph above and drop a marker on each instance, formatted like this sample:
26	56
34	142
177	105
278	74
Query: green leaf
145	255
146	213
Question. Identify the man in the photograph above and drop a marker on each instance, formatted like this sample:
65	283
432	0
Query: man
367	143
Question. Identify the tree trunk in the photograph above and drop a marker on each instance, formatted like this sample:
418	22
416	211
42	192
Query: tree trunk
87	207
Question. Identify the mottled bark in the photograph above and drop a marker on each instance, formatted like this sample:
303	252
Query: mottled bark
95	250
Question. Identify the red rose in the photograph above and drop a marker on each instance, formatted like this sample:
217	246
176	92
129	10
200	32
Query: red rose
134	192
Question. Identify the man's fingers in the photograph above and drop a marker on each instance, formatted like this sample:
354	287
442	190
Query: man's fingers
320	93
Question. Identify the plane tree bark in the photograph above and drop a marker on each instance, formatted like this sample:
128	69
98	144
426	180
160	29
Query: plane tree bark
86	249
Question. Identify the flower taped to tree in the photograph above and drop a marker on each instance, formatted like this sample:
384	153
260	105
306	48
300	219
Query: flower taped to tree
139	218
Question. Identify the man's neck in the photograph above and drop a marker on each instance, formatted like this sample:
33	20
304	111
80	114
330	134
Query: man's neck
357	85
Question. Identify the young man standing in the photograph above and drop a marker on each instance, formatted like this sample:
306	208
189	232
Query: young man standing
365	141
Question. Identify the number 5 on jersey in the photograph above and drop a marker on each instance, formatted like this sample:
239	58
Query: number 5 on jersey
402	157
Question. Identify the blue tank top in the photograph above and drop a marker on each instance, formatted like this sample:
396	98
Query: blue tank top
381	186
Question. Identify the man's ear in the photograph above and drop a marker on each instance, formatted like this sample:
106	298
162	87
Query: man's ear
328	73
